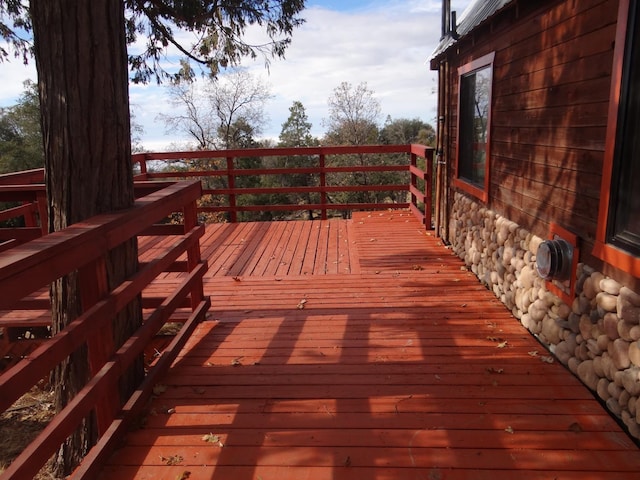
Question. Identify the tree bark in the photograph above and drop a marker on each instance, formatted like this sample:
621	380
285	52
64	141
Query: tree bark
81	58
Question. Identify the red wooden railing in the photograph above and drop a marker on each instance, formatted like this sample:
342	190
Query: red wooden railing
28	269
320	166
26	188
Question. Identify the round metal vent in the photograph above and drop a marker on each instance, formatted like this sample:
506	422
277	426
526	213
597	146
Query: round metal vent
554	259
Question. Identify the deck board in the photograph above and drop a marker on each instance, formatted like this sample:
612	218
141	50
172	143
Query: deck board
390	361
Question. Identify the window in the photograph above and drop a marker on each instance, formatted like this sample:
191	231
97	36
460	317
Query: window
474	126
618	233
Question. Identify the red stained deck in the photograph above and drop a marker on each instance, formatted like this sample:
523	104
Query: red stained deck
362	349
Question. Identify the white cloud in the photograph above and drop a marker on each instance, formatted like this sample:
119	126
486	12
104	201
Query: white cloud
13	73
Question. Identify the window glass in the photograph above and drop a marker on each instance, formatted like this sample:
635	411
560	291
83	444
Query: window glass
624	210
475	97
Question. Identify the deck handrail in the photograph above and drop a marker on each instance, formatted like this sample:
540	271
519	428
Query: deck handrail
418	188
28	187
82	247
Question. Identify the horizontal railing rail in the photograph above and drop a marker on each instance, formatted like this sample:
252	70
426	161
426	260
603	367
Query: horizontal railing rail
318	163
28	269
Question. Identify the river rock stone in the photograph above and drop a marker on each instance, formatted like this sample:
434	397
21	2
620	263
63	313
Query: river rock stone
610	325
573	365
564	352
626	309
613	406
634	353
630	296
587	375
534	243
619	352
607	302
585	327
610	286
538	310
633	401
629	380
602	388
589	289
551	330
614	390
598	367
624	331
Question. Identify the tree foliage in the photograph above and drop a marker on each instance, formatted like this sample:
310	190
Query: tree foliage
153	26
20	134
353	115
296	130
223	113
404	131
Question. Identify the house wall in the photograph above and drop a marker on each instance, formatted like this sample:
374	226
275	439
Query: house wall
551	86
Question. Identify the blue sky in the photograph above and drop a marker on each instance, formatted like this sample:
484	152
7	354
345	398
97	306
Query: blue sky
383	43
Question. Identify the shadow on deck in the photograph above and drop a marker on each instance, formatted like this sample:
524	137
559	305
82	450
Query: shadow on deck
362	349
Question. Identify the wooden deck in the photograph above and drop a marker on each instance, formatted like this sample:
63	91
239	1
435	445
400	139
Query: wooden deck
362	349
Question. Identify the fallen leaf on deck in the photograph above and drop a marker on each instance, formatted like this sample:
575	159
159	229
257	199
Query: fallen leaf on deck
417	267
301	304
548	359
533	353
509	429
211	438
184	475
495	370
172	460
236	361
237	279
502	344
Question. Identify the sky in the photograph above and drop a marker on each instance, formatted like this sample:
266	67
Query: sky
385	43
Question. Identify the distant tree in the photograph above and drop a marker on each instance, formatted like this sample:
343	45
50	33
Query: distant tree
137	130
80	49
403	131
218	114
223	113
296	130
20	134
353	115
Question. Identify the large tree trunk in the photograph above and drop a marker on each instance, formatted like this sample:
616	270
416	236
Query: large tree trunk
81	57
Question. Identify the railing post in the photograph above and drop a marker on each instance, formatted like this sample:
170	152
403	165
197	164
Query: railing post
414	182
231	184
323	184
193	254
93	282
143	164
428	182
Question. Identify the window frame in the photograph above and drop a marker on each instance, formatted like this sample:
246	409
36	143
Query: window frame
460	182
604	250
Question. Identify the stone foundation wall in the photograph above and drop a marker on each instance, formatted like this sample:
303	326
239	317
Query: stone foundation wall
597	337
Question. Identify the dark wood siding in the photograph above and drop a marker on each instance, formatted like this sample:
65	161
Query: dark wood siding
551	87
